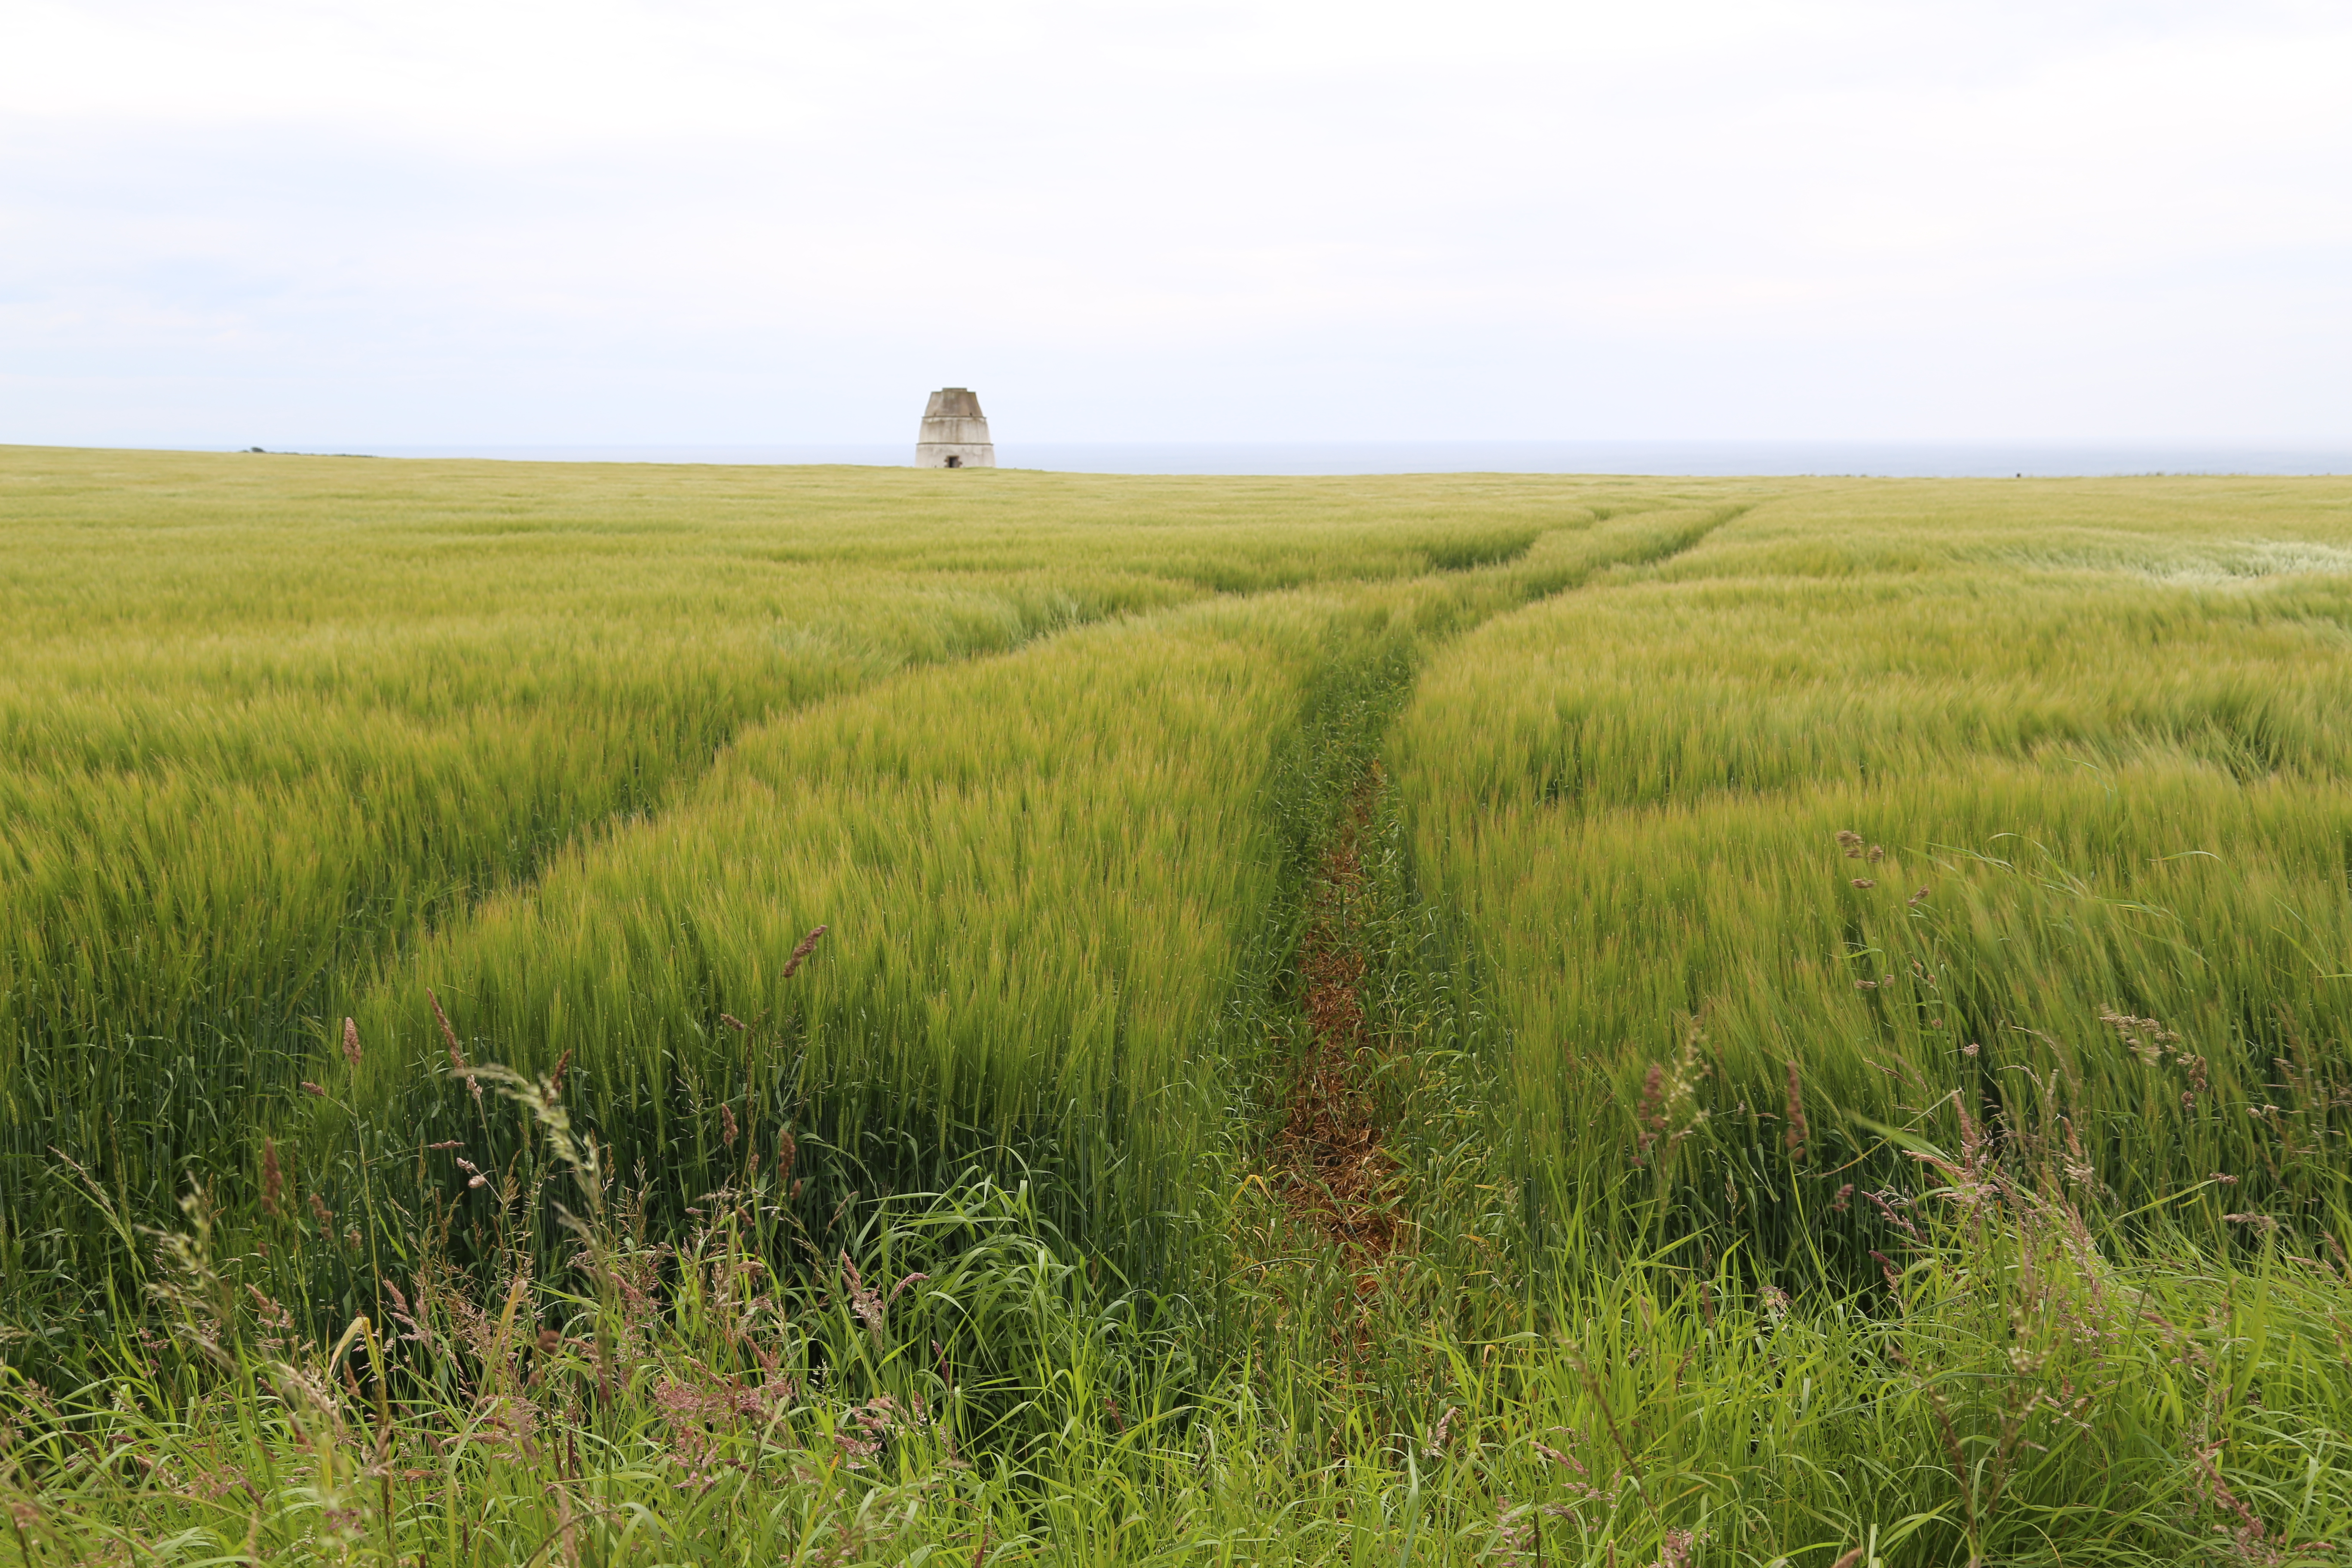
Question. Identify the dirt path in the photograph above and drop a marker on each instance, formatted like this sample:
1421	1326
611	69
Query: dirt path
1331	1169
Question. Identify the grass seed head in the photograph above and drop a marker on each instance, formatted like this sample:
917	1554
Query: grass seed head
800	954
1798	1131
457	1057
1653	1111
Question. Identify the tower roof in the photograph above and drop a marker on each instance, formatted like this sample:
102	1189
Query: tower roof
954	402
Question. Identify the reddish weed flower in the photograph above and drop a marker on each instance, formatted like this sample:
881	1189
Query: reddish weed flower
1653	1095
457	1057
273	1180
1851	842
864	1300
786	1147
1865	882
2146	1037
2249	1531
314	1088
1794	1139
2078	1168
1886	1267
1437	1444
864	1428
1679	1546
405	1315
727	1125
1886	1210
270	1311
800	953
352	1042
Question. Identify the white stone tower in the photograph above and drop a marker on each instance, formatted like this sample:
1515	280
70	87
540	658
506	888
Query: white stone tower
954	433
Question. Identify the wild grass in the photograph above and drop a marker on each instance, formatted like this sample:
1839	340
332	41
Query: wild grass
270	724
955	1380
1033	895
1881	804
1851	982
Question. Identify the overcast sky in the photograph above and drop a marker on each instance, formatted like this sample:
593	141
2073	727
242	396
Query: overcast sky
227	223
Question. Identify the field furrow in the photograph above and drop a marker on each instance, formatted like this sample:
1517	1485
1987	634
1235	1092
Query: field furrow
269	726
1036	876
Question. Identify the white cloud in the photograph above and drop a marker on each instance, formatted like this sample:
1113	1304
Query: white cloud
703	222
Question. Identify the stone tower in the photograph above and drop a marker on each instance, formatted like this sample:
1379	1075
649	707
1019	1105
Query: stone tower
954	433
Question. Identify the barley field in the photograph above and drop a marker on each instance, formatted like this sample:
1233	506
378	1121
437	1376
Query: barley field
629	1015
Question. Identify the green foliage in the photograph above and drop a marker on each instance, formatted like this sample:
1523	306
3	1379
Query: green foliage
2093	863
955	1382
1852	982
281	740
1032	898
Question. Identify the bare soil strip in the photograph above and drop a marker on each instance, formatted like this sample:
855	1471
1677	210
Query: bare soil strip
1331	1169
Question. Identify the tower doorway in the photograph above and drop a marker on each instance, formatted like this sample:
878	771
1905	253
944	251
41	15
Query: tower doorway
955	460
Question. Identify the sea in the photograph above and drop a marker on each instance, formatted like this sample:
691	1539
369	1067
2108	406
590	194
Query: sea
1890	459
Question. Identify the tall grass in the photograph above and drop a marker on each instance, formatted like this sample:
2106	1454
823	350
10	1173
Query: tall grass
1852	981
955	1382
1036	875
2094	857
1048	882
267	724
